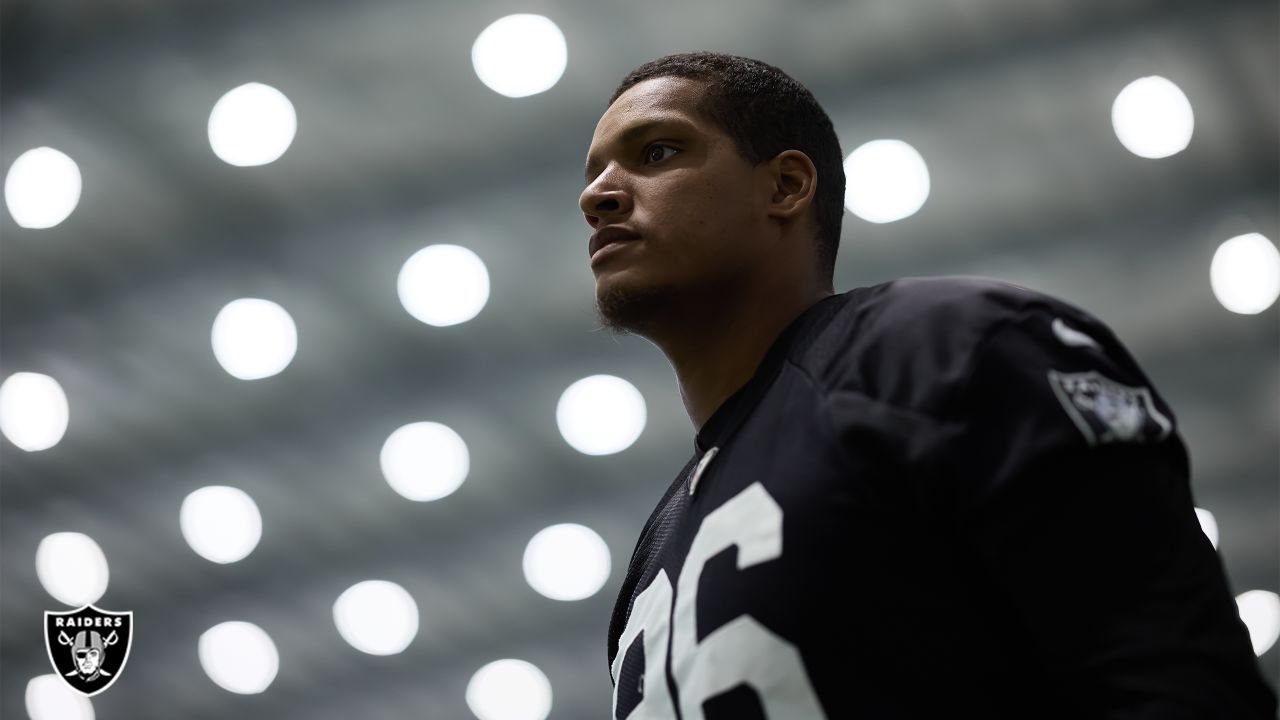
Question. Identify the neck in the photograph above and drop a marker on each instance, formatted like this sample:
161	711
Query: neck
717	347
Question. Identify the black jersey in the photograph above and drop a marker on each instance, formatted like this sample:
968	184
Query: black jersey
935	498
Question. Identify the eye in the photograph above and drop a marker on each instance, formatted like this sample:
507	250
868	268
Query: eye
657	152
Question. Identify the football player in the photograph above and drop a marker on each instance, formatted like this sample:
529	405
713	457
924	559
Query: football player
947	497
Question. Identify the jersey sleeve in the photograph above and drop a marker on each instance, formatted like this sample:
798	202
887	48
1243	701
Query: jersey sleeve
1071	490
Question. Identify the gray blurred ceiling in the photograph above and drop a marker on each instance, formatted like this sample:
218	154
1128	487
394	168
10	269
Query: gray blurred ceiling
399	146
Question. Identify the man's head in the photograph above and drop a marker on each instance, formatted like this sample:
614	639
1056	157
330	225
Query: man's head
88	650
729	172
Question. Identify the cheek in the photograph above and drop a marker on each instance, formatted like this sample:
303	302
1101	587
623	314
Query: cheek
698	222
725	219
697	206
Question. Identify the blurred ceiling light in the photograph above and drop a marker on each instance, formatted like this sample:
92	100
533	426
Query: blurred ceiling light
72	568
509	690
424	461
600	415
220	523
1209	525
252	125
239	656
1260	611
566	562
886	180
443	285
1245	274
49	698
254	338
1152	118
520	55
33	411
376	617
42	188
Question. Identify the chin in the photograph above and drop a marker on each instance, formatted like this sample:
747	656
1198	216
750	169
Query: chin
635	308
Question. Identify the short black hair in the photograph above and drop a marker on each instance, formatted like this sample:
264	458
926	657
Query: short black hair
765	111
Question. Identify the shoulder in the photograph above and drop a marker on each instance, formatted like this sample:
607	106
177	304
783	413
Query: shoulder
952	307
911	341
986	371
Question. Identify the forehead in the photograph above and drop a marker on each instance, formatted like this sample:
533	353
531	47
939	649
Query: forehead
653	99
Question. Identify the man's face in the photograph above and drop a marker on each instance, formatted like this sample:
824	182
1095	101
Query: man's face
658	168
87	660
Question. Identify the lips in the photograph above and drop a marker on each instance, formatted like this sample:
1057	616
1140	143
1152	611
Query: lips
609	235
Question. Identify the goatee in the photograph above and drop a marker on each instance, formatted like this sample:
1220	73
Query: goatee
624	310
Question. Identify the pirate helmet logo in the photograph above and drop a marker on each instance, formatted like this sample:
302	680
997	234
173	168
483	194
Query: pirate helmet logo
88	647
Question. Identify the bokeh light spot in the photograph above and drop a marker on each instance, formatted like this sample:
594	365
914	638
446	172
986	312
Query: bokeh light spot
239	657
600	415
33	411
49	698
222	524
42	188
376	617
253	338
252	125
567	562
520	55
1245	274
509	690
1152	118
443	285
885	181
72	568
425	461
1260	611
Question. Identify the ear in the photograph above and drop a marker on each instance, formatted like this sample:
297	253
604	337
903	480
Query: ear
794	180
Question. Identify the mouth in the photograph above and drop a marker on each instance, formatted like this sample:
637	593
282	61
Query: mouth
607	236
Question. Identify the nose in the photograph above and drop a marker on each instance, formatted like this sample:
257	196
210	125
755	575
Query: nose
605	200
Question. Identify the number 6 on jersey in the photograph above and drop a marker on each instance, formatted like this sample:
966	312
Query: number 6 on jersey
740	652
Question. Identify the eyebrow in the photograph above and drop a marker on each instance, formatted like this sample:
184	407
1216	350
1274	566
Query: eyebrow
630	134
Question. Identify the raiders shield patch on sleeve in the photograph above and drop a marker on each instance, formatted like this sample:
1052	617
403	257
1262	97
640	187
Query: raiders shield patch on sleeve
1106	411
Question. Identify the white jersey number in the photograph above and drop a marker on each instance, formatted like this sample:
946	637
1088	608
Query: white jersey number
652	614
740	652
